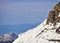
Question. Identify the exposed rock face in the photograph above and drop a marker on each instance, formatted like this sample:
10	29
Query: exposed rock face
8	38
57	7
54	15
58	30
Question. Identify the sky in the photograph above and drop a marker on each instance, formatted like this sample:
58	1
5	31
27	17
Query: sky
24	11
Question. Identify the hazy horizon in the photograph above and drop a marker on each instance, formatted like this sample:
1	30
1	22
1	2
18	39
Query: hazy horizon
21	15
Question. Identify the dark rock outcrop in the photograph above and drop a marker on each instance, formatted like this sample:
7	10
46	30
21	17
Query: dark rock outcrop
8	38
58	30
53	16
57	7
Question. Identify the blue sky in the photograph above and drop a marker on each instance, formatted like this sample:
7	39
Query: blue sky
24	11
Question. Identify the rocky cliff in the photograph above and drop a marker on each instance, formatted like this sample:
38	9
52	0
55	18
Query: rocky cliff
54	16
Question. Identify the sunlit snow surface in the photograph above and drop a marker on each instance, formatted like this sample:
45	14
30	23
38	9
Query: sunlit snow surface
59	14
37	35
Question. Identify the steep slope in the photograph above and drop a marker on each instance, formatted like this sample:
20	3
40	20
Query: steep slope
46	32
8	38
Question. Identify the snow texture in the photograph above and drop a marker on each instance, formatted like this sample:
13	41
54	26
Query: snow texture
41	34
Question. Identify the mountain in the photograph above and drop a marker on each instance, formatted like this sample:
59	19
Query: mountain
8	38
47	32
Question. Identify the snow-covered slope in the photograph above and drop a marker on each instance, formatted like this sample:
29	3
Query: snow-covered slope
8	38
47	32
40	34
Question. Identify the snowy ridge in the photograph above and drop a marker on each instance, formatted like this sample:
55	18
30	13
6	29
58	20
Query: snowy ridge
8	38
37	35
29	34
47	32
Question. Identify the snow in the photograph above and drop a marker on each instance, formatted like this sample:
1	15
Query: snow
59	14
43	33
9	37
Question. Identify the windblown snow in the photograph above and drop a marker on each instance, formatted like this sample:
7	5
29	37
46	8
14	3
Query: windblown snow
43	33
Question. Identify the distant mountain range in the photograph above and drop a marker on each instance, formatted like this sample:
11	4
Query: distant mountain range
8	38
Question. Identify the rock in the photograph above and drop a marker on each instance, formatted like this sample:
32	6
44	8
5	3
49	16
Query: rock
53	16
58	30
57	7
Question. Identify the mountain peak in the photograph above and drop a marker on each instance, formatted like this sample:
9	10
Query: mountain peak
54	15
46	32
